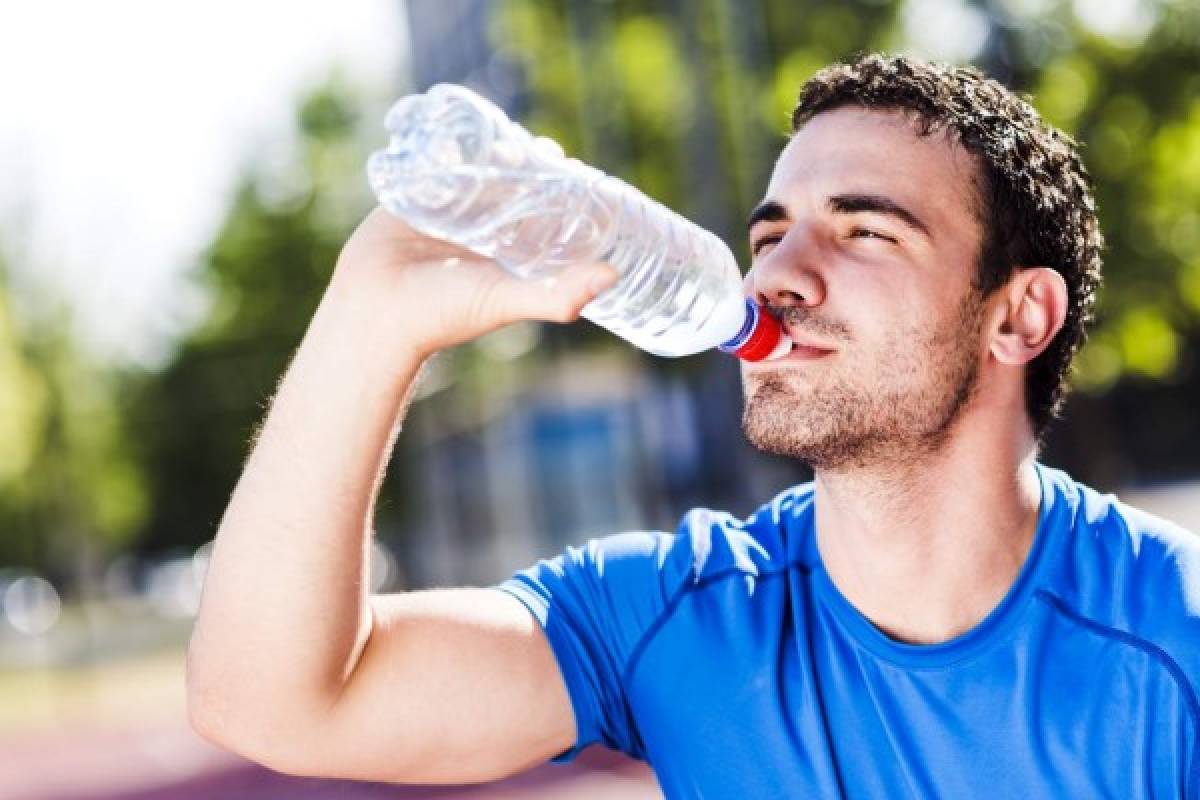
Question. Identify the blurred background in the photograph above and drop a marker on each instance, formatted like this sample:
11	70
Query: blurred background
180	177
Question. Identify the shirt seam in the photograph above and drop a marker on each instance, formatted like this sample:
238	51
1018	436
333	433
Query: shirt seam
520	587
673	603
907	662
1155	652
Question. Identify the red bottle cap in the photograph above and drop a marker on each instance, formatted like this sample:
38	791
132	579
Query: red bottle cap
764	339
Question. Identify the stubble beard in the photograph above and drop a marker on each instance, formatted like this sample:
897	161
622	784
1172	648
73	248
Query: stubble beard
894	411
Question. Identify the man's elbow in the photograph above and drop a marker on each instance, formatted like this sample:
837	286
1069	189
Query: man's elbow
207	728
209	718
265	750
231	712
242	729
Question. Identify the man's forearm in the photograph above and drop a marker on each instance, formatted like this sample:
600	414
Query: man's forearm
284	613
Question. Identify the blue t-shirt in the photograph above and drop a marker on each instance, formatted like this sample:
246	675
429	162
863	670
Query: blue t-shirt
724	656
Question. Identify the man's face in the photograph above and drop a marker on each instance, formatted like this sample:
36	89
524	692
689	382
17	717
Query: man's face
866	243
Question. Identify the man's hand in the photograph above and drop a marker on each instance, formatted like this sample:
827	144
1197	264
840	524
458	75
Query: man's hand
439	294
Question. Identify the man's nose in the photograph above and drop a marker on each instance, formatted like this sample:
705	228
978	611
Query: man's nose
788	275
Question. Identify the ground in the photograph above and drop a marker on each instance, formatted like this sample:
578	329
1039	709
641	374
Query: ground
117	729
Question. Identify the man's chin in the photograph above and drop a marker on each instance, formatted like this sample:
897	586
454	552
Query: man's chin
773	430
821	440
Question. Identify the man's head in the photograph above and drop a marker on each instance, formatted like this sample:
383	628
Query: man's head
928	227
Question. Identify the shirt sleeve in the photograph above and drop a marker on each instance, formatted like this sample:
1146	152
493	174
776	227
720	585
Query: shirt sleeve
595	602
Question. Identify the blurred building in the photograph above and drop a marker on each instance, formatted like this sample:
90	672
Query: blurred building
591	444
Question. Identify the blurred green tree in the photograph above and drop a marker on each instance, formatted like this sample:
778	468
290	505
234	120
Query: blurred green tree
72	492
265	272
1129	95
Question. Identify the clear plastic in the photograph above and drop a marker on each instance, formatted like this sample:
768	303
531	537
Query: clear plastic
456	167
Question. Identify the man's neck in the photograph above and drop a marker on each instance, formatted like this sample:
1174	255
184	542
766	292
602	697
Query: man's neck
926	550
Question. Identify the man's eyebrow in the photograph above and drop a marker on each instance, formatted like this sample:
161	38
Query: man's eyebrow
769	211
878	204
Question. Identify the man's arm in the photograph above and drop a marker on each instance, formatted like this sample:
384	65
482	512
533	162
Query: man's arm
291	663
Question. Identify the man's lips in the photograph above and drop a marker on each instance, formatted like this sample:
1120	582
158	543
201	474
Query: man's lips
805	347
799	354
804	352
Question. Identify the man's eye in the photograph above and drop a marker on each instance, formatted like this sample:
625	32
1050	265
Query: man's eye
867	233
766	240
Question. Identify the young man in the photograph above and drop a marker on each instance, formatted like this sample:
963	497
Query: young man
935	615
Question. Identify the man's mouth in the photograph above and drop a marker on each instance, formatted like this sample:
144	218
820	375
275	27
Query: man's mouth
800	354
804	346
803	352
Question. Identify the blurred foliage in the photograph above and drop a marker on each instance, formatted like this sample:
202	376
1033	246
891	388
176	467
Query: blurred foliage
1136	111
71	489
264	272
690	101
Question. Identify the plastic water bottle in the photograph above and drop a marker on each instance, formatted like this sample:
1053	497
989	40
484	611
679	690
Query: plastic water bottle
457	168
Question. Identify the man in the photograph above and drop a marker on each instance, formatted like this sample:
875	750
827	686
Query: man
935	615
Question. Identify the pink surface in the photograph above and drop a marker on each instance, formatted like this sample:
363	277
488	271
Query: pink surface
169	760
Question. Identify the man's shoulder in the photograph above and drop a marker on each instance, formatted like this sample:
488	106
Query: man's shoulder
1130	548
707	544
718	543
1128	570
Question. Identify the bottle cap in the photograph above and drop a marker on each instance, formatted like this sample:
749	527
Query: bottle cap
761	338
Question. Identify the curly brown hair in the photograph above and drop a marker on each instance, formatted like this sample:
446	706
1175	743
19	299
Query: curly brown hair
1035	196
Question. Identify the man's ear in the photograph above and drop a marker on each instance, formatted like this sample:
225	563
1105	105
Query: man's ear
1031	309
